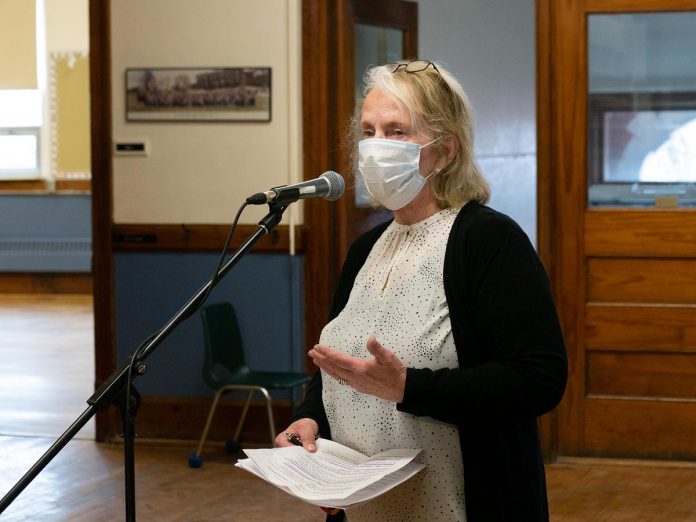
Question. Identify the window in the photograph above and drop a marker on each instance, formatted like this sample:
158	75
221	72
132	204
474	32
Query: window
20	130
44	95
21	88
642	110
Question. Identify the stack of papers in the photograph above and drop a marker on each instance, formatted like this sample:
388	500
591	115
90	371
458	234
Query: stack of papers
334	476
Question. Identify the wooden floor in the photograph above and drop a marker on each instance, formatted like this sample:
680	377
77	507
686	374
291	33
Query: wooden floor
46	363
85	481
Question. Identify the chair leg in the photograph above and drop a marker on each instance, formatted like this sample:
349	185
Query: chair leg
269	408
208	422
238	431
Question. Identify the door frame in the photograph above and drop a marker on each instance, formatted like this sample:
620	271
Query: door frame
107	422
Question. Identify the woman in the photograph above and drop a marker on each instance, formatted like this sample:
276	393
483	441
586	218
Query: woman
443	334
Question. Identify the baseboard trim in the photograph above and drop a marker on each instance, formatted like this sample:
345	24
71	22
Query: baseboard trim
183	418
45	283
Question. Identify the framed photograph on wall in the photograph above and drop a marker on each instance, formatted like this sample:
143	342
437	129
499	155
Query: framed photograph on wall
241	94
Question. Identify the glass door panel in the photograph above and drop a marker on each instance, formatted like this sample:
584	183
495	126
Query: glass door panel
642	110
374	45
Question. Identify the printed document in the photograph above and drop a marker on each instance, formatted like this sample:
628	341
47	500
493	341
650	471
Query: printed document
333	476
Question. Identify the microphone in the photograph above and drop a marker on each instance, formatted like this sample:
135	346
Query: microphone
329	185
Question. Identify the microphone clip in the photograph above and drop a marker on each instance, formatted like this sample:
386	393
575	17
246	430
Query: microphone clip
274	216
282	195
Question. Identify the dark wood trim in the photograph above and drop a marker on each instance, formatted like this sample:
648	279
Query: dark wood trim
399	14
568	131
319	64
40	186
637	6
545	180
198	237
45	283
23	185
184	418
344	30
73	185
548	424
107	422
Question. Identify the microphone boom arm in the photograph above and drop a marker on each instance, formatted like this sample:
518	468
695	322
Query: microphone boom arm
114	388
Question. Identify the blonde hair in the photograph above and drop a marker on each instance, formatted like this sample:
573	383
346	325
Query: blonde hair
436	103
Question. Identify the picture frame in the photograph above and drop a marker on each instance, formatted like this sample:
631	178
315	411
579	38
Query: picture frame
198	94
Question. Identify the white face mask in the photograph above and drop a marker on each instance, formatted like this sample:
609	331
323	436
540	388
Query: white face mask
390	170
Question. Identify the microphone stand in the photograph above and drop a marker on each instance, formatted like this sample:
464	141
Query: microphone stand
114	390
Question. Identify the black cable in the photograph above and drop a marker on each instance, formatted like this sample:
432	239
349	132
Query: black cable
216	274
212	282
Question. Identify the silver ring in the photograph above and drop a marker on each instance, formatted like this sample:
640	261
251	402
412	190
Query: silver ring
342	381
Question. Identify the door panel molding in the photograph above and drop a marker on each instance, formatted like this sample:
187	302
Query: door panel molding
640	328
649	232
653	376
641	280
649	429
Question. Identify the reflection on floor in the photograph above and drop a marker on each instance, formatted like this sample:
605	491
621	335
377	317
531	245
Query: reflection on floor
46	363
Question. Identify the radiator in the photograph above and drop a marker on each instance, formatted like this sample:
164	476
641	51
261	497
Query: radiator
67	254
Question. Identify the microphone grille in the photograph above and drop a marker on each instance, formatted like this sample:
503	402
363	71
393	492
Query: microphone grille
336	185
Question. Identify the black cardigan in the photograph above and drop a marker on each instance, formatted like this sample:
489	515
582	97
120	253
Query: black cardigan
512	362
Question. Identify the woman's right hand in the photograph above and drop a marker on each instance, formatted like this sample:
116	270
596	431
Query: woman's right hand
306	429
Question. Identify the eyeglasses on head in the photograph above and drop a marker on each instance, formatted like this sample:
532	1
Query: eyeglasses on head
413	66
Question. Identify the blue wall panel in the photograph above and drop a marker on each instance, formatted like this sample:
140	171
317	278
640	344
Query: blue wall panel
265	290
45	233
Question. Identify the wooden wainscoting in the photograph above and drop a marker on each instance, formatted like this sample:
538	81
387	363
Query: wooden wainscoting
199	237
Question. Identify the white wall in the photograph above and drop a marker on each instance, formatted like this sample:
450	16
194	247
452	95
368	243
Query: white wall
67	25
201	172
490	46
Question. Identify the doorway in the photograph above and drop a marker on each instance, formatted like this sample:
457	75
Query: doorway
46	322
332	64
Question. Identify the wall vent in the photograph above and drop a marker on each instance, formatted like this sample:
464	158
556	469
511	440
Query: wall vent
45	255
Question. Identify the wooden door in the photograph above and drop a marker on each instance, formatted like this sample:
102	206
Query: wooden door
624	271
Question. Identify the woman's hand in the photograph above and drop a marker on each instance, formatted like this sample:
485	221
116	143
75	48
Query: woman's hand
383	376
306	429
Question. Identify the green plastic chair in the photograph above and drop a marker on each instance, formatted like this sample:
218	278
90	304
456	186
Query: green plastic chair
225	370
